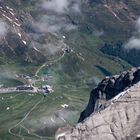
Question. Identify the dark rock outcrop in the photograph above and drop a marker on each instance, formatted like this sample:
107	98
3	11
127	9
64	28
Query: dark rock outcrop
109	88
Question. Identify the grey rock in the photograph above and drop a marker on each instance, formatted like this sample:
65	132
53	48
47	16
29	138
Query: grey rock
102	120
118	122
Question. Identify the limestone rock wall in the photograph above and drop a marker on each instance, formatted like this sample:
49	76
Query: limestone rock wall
109	88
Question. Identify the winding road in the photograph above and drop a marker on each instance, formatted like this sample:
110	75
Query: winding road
79	55
46	64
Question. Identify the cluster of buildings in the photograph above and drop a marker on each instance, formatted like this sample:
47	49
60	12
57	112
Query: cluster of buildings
46	89
24	87
66	50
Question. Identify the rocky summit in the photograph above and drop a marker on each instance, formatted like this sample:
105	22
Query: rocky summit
113	111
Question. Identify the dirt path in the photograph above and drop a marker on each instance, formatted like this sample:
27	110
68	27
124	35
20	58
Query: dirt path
23	119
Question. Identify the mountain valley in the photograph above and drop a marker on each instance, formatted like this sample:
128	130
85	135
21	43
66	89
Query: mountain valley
66	47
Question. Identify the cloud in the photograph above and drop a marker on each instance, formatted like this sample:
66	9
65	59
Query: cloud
3	28
61	6
98	33
76	7
138	25
134	41
54	24
55	19
6	73
52	48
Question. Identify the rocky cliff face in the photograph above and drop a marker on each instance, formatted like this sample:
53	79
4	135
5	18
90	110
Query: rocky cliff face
109	88
113	110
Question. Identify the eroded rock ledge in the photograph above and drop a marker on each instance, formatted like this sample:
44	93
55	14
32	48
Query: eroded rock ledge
107	116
